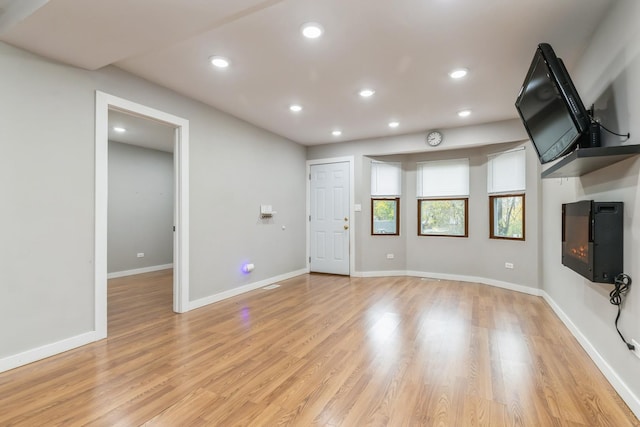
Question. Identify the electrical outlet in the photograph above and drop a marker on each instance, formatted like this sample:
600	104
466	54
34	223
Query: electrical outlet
508	265
637	346
140	255
390	256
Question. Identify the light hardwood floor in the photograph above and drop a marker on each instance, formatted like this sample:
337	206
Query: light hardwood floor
321	350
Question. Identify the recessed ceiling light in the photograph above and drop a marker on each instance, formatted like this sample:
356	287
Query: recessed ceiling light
295	108
312	30
366	93
458	73
119	129
394	124
336	132
220	61
464	113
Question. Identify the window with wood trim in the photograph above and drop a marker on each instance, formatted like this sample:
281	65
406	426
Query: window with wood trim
443	217
386	183
443	197
506	216
385	217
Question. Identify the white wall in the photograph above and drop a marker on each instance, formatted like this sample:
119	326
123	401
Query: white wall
609	75
47	120
140	208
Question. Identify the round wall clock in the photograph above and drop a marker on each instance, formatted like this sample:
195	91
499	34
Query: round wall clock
434	138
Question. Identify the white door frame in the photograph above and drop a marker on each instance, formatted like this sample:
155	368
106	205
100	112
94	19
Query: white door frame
352	221
104	102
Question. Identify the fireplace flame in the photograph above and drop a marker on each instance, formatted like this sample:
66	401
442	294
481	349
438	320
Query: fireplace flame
581	252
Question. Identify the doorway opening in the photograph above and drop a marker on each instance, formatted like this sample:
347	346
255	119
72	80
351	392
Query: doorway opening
141	202
105	104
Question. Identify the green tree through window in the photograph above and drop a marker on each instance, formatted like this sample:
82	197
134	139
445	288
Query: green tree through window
384	218
507	216
443	217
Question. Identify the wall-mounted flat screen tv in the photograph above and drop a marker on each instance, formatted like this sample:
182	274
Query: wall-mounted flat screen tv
550	108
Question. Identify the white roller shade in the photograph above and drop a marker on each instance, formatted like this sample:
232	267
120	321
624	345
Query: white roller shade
386	179
506	172
443	178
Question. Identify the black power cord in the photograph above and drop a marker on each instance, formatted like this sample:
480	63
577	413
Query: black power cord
627	135
621	284
591	111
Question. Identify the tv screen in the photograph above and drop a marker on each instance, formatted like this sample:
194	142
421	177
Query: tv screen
550	108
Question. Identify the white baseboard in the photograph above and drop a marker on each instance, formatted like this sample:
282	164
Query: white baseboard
483	280
139	271
455	277
386	273
614	379
242	289
47	350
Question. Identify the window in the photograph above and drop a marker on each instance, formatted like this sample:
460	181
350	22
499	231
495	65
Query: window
443	203
506	214
386	179
385	216
506	183
443	217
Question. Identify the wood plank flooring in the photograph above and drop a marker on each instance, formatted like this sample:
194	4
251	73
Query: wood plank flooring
320	350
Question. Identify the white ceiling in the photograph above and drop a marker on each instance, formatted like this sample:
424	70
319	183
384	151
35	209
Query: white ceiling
143	132
402	48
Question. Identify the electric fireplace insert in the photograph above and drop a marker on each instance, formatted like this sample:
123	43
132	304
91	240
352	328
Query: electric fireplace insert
592	239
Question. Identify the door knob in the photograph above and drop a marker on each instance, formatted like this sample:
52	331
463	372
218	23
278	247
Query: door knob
346	227
346	219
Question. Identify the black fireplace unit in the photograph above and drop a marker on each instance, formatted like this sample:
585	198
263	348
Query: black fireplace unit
592	239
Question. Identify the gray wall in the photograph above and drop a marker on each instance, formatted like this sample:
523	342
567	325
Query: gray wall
475	256
47	175
47	121
608	74
140	207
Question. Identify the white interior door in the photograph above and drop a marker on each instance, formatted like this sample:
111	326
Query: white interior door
329	218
